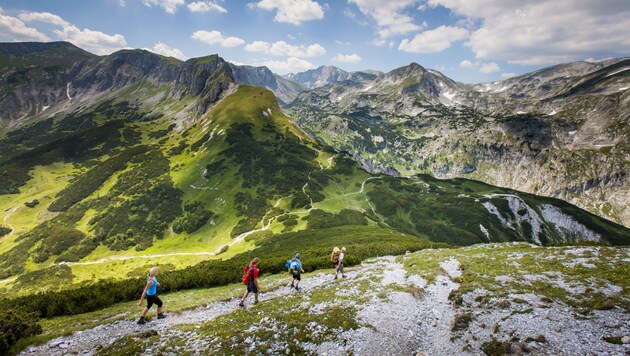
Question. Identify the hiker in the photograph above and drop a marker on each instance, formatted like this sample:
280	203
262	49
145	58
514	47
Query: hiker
150	291
340	263
250	278
295	268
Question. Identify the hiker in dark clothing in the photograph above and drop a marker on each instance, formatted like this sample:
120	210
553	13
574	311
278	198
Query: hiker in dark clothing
295	267
150	291
250	277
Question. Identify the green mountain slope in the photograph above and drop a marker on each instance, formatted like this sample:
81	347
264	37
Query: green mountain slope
162	162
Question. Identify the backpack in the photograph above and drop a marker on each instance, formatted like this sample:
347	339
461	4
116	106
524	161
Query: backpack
294	266
334	256
247	273
288	264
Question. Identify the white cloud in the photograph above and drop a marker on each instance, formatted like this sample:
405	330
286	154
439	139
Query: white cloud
508	75
342	43
236	62
433	41
13	29
170	6
205	6
545	31
45	17
292	64
292	11
215	37
258	46
489	68
281	48
349	58
92	41
466	64
165	50
389	16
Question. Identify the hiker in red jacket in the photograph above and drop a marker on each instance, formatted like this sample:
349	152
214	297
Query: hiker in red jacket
250	278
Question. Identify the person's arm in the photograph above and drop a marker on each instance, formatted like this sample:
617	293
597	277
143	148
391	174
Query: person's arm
144	292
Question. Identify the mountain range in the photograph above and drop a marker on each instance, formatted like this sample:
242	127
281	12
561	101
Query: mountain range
117	159
561	131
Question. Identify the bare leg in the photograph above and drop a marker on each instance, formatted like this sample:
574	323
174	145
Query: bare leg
145	311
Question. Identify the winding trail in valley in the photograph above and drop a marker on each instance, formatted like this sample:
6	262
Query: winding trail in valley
265	223
6	220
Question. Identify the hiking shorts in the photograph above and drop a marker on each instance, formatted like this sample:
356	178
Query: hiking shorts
251	288
297	276
153	299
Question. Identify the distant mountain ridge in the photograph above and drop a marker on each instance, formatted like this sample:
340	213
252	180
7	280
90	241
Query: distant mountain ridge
528	132
324	75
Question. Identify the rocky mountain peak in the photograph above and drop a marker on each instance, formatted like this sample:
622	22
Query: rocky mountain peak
410	70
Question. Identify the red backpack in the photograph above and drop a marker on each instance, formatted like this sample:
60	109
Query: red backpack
247	273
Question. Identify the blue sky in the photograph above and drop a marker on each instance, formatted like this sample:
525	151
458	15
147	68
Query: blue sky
469	41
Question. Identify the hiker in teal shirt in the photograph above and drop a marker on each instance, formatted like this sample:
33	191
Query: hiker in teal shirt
150	291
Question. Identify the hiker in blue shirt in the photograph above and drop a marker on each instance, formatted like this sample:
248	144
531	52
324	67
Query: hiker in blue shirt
150	291
295	267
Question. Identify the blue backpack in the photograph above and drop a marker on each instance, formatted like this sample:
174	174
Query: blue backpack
292	265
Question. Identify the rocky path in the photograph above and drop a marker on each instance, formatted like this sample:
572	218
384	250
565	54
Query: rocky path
413	319
401	322
87	342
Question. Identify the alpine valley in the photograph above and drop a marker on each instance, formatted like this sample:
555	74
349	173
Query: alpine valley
112	164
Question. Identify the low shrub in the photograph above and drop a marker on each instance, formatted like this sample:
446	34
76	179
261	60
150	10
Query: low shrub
4	230
16	324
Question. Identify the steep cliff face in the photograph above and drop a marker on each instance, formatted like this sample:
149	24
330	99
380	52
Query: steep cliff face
284	89
38	76
33	76
561	131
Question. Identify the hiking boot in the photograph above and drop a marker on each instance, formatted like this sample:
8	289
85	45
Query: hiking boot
161	316
255	302
141	321
241	304
297	288
292	285
344	276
